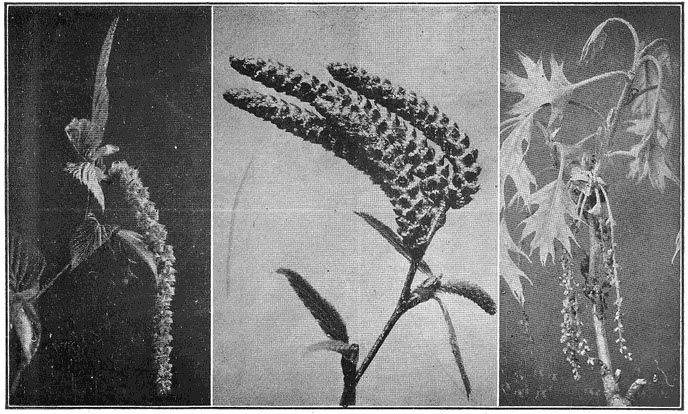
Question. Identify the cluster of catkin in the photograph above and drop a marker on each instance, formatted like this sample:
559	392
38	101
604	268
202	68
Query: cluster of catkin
572	327
368	126
155	236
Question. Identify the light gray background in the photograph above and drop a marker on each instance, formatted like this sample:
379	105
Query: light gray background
296	211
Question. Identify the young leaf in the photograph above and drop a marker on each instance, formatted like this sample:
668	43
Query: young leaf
89	236
393	239
511	273
89	175
454	343
25	321
679	244
101	96
655	123
26	265
513	162
327	316
650	162
472	292
549	221
133	243
594	45
537	90
348	351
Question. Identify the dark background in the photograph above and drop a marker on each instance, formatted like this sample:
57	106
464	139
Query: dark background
536	372
97	329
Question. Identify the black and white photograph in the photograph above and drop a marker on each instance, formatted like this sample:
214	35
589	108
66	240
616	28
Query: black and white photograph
315	206
591	206
355	206
108	205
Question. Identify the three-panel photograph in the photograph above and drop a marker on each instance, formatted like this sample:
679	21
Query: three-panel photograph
312	206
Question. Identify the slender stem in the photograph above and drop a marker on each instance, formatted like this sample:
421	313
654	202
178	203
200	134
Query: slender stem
652	44
611	387
597	78
627	90
636	40
400	309
643	91
584	140
621	153
67	267
588	108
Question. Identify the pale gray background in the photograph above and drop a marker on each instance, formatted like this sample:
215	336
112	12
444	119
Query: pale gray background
296	211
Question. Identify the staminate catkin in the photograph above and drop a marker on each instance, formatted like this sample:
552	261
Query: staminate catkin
420	180
155	236
435	125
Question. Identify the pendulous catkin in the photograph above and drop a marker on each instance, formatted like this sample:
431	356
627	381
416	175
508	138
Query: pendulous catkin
155	236
421	181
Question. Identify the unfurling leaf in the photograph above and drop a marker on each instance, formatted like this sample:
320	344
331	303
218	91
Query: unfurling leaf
537	90
26	266
650	161
87	135
101	96
454	343
655	123
393	239
513	162
472	292
348	351
679	243
134	243
89	175
24	320
511	273
327	316
549	221
89	236
594	45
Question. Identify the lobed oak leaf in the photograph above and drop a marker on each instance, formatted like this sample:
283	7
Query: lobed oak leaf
548	223
539	91
655	122
513	164
650	161
509	271
662	124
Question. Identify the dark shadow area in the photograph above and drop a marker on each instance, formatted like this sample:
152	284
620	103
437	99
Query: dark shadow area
96	347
